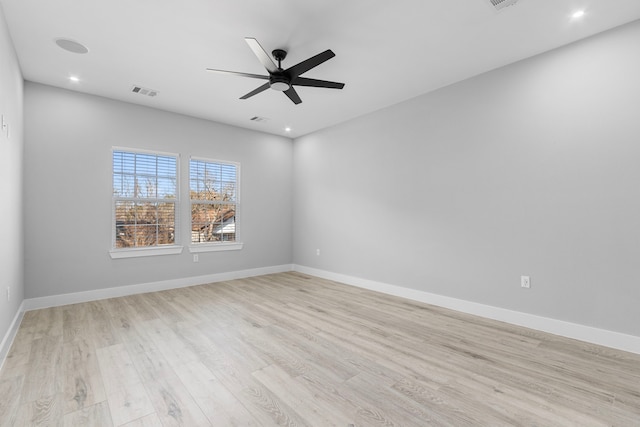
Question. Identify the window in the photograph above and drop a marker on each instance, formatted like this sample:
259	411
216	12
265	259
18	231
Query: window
145	194
214	192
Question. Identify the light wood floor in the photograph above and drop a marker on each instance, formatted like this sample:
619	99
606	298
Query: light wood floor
287	349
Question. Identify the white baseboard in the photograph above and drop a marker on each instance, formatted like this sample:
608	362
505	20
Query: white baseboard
5	345
589	334
120	291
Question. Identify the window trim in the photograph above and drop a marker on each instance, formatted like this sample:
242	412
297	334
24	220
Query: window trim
144	251
215	247
218	246
149	251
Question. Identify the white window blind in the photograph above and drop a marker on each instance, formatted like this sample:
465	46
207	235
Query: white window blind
144	199
214	192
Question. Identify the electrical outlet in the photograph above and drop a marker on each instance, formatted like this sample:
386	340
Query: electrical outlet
195	258
318	252
525	282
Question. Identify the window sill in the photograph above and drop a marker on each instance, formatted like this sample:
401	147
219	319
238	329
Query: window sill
140	252
215	247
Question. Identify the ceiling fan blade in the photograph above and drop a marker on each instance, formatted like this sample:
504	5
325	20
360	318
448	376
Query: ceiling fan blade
303	81
236	73
256	91
310	63
293	95
263	56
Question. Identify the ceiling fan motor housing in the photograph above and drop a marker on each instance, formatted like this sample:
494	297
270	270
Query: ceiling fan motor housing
279	82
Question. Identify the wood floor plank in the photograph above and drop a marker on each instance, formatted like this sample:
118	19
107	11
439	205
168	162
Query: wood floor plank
75	322
127	397
342	352
291	349
83	385
102	329
445	411
173	403
264	406
314	410
48	322
193	336
219	405
150	420
10	390
134	335
44	376
140	308
46	411
159	302
30	319
230	342
94	415
170	344
18	357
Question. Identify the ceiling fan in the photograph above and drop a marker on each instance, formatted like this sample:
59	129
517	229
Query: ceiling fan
284	80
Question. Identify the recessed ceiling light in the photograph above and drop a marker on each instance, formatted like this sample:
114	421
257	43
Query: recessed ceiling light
287	129
578	14
71	46
74	79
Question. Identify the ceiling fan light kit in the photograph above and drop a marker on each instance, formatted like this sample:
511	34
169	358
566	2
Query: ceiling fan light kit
279	83
284	80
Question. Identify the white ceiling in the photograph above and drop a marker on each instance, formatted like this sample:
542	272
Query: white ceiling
386	51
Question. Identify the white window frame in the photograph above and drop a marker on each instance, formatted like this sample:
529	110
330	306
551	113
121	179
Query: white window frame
217	246
176	248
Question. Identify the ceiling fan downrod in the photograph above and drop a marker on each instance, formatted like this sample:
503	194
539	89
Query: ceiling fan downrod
279	56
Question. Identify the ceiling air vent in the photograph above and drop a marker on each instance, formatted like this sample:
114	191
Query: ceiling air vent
144	91
501	4
258	119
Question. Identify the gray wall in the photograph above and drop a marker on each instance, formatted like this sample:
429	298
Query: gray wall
68	141
11	249
532	169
